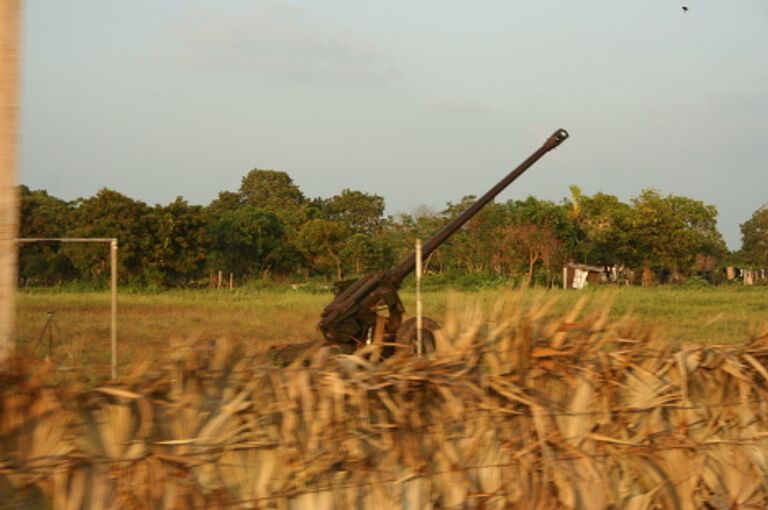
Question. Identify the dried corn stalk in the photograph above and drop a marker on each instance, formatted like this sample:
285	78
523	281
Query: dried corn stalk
516	409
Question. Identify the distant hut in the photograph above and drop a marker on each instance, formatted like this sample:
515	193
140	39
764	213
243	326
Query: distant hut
578	276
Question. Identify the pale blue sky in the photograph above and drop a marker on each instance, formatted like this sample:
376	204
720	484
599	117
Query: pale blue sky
421	102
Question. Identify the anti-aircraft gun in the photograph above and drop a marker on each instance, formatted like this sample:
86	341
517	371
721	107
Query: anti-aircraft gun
352	318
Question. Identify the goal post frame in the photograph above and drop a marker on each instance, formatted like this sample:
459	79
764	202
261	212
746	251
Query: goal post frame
113	279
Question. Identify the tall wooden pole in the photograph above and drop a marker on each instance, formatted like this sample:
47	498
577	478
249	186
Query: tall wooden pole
10	14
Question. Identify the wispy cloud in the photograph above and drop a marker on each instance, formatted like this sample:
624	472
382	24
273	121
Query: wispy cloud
282	43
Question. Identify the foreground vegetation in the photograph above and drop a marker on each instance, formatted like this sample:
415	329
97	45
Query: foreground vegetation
148	322
521	406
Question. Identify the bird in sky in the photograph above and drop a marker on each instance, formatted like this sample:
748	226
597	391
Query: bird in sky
685	9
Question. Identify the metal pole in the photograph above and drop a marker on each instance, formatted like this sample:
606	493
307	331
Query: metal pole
419	338
113	285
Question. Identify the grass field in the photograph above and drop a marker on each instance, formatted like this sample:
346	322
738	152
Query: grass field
147	323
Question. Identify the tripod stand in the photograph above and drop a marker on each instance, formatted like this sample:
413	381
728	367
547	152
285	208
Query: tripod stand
50	323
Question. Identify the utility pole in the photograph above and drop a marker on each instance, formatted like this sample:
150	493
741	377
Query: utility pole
10	21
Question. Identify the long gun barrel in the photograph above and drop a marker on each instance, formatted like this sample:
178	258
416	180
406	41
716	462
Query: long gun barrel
408	263
351	316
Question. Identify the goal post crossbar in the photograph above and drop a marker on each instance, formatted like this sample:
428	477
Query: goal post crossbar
113	279
66	239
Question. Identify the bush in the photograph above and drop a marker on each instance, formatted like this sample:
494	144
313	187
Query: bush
461	281
697	282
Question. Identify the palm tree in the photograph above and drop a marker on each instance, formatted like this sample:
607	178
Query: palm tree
575	212
10	13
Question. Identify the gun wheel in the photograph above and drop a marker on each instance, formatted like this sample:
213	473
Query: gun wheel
406	334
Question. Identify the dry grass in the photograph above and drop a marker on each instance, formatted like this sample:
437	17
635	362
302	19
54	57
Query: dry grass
519	408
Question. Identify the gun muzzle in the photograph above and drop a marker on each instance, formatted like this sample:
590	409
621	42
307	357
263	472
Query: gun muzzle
556	139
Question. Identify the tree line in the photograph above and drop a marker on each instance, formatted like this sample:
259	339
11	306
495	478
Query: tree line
268	228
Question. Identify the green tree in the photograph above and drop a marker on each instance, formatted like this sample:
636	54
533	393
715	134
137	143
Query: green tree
754	238
539	233
474	247
537	211
360	212
271	190
399	233
321	242
226	201
247	241
602	226
274	191
111	214
535	243
358	254
666	233
43	215
493	240
178	254
343	233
